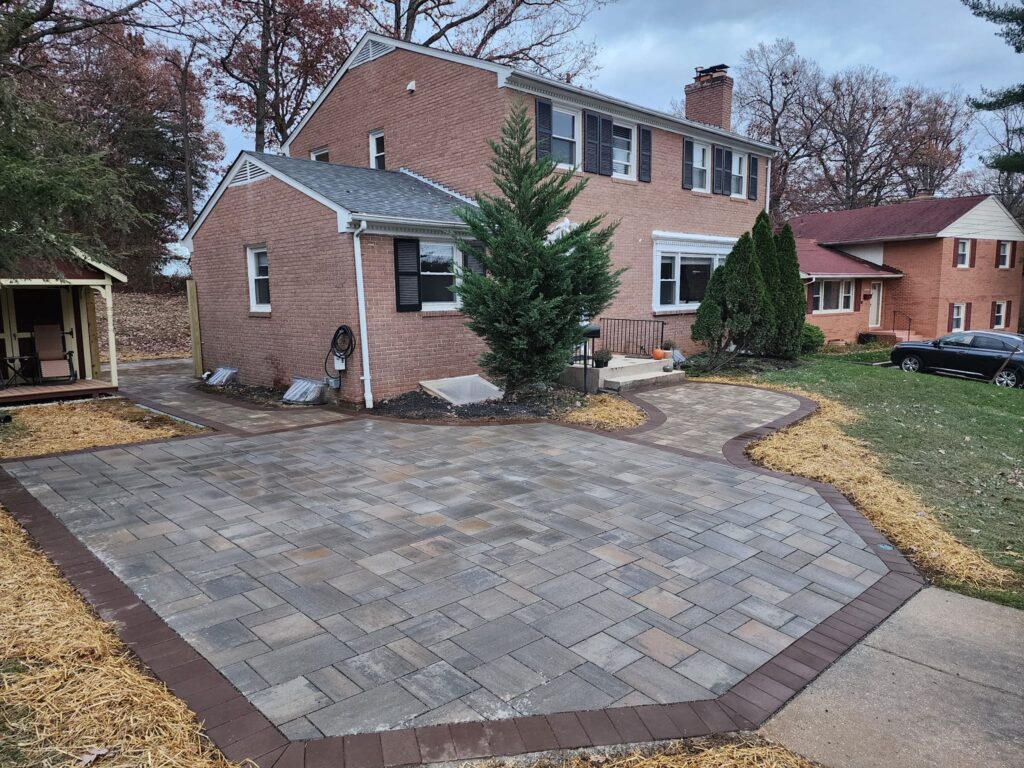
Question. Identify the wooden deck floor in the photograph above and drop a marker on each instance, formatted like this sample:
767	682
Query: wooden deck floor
28	393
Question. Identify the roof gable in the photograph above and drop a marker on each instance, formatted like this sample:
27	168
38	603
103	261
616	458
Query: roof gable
988	220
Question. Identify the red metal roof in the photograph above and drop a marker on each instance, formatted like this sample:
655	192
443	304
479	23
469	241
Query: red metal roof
816	259
915	218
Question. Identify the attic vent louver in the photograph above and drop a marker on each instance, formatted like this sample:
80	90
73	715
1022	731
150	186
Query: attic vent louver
373	49
248	173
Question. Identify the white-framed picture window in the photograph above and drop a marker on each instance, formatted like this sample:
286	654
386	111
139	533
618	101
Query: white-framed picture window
999	314
701	160
959	312
739	175
683	265
437	278
321	155
377	155
963	254
259	278
622	152
565	127
832	296
1003	262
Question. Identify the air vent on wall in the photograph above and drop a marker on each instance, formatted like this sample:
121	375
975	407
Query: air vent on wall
373	49
248	173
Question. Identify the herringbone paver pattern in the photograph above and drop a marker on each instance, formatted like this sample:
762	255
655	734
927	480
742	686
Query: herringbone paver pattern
368	575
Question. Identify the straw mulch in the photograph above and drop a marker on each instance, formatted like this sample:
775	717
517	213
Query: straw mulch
42	429
819	449
77	688
745	752
605	412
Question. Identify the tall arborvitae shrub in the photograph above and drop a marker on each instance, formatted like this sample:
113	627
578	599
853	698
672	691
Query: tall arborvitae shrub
728	320
535	288
791	299
766	337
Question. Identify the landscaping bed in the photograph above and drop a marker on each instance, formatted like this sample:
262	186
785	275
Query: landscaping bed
249	393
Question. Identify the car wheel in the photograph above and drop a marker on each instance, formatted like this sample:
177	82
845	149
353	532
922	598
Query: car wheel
1007	378
911	363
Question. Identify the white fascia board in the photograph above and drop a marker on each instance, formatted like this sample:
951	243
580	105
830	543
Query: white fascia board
344	215
848	276
887	239
105	268
659	234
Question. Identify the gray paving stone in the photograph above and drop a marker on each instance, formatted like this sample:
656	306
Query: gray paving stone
660	683
547	657
567	589
386	707
437	684
286	630
506	678
606	652
565	693
297	659
573	624
497	638
289	700
709	672
376	667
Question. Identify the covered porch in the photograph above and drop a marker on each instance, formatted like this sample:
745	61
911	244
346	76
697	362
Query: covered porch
49	334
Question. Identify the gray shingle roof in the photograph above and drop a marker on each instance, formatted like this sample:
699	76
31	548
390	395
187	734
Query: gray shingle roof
369	191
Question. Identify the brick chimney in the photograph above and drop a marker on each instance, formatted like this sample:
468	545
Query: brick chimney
709	97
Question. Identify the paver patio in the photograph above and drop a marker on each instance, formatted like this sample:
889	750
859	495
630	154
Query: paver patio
367	575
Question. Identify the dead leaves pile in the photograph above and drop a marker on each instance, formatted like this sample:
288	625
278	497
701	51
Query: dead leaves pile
604	412
148	326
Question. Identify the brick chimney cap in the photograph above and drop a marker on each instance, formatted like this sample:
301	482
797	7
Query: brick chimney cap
713	69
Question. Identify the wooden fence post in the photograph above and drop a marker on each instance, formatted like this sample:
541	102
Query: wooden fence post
193	322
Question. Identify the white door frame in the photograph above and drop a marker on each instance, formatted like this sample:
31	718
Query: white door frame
875	308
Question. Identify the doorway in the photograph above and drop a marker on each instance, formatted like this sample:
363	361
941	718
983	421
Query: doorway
875	308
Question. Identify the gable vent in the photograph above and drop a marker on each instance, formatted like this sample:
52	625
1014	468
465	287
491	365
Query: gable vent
248	173
373	49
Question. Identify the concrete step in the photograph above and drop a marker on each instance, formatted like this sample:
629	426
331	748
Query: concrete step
633	366
632	382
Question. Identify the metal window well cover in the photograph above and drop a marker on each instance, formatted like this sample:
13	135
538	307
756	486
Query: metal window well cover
222	376
304	391
462	390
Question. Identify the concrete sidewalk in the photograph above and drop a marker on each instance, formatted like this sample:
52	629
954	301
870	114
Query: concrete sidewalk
941	683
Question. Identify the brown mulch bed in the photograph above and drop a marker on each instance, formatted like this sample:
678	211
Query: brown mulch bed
148	326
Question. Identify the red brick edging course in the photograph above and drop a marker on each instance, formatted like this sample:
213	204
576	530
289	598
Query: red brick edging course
235	726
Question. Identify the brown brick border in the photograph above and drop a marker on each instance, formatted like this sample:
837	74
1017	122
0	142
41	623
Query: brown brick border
235	726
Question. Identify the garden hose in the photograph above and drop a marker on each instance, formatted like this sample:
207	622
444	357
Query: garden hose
342	345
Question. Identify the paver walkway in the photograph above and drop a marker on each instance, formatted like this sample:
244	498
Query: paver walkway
367	575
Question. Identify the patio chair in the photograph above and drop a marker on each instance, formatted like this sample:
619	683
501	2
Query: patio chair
54	363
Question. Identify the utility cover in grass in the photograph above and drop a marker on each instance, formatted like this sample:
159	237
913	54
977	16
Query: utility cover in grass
462	390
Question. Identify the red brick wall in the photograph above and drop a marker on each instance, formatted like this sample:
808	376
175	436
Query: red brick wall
844	327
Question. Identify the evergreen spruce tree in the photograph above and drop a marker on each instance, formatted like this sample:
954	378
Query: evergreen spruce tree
728	320
767	337
791	296
535	288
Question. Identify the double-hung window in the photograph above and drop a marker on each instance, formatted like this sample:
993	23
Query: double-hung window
832	295
959	311
1003	260
963	254
564	127
701	175
998	314
377	150
739	175
437	276
259	279
622	152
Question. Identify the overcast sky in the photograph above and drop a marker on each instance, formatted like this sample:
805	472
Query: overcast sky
650	47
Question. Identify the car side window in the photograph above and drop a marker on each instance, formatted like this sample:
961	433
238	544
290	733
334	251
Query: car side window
987	342
958	340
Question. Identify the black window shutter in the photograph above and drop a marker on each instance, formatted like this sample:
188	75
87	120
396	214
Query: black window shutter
646	148
687	164
591	142
752	177
718	153
726	172
407	275
543	125
473	264
605	168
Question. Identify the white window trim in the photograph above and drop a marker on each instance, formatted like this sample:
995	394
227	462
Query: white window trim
707	168
962	318
1000	312
577	127
742	157
372	141
966	254
999	246
633	154
458	261
319	151
840	311
683	244
250	259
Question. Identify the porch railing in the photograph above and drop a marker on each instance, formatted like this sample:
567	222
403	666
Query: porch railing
631	337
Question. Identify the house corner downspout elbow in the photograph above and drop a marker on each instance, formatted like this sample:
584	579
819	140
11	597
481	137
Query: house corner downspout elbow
364	346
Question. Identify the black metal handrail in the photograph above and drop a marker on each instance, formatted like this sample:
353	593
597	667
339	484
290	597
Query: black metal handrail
632	337
910	320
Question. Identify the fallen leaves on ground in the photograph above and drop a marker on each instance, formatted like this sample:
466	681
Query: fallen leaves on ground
747	751
605	412
148	326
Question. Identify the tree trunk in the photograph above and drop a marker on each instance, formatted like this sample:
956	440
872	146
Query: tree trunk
263	75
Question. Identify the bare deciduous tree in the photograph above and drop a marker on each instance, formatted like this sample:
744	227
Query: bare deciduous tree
1004	131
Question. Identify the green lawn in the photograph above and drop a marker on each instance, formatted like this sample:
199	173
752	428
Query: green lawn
959	444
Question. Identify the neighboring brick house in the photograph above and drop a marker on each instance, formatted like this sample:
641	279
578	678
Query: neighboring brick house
921	269
683	190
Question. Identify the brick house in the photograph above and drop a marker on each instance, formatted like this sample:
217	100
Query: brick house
354	226
921	269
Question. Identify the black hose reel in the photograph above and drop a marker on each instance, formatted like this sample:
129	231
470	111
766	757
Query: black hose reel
343	343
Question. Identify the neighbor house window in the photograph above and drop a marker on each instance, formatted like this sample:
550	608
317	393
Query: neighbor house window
259	279
739	175
622	151
998	314
320	155
1003	262
958	317
436	275
377	150
833	295
963	253
683	279
701	154
563	137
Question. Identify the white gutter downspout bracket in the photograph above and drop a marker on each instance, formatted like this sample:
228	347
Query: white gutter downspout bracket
364	343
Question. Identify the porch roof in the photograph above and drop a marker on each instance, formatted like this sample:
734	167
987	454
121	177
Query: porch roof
78	269
817	260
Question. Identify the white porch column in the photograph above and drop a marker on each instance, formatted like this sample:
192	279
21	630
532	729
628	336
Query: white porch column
108	296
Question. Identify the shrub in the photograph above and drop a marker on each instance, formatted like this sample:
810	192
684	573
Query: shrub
812	339
791	297
602	357
766	338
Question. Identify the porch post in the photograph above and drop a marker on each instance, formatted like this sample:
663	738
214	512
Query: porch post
108	296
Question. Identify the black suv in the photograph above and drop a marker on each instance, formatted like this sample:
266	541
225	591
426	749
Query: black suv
976	354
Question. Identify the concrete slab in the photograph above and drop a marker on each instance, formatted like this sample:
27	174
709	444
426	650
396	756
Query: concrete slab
940	684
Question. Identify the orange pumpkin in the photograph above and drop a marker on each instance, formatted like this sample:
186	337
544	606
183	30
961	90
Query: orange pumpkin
660	354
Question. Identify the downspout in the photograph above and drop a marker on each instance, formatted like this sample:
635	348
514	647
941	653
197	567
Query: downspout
768	188
364	344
